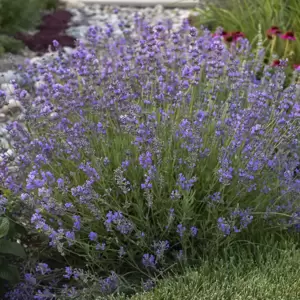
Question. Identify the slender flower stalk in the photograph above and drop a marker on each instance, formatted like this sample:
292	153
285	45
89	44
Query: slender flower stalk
288	36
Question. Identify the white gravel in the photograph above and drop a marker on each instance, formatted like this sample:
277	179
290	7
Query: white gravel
99	15
85	15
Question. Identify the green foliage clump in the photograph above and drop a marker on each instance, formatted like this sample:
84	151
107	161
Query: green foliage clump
9	251
19	15
9	44
51	4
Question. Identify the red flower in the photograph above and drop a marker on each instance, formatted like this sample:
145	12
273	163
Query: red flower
217	34
228	37
238	34
274	30
289	35
297	67
232	36
276	63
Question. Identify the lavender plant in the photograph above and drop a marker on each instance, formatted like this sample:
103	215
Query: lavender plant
146	151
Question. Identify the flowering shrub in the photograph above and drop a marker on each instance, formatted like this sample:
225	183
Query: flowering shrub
146	151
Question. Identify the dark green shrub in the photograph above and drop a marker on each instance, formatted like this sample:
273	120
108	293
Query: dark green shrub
19	15
9	44
51	4
2	50
9	251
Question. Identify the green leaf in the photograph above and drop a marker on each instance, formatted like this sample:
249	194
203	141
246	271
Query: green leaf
4	227
16	228
3	287
13	248
9	273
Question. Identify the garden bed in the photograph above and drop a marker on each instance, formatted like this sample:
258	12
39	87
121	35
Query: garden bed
150	149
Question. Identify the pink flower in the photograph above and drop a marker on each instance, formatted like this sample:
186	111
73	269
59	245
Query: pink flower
274	30
296	67
232	36
238	34
223	33
276	63
289	35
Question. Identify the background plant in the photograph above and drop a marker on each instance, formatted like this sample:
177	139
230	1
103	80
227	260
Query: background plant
18	16
247	16
10	44
51	4
162	150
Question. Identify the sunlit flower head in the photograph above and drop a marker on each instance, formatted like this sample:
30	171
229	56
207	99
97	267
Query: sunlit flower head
289	35
273	31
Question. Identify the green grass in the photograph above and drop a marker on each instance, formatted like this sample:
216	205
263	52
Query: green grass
276	276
